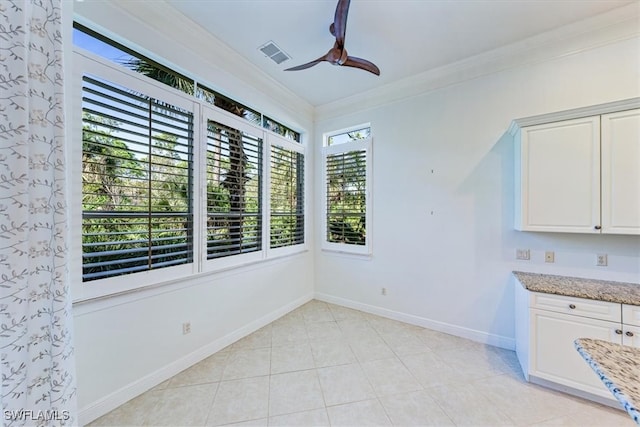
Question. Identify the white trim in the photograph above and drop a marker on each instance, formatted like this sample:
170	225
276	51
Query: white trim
574	113
460	331
365	144
111	401
85	305
617	25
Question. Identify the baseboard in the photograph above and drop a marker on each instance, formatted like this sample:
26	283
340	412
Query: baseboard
460	331
113	400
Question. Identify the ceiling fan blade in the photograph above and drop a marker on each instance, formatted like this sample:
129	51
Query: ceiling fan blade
307	65
363	64
339	26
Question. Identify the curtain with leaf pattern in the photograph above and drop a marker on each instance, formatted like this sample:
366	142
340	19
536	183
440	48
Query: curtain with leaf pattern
36	338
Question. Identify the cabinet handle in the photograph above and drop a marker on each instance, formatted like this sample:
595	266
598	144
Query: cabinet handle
597	227
572	306
619	331
629	333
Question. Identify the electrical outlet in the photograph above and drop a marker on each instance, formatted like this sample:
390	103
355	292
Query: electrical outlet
549	256
523	254
186	328
383	291
601	260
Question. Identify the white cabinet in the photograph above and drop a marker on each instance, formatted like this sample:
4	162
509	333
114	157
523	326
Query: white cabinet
560	176
547	326
555	358
580	175
631	325
620	153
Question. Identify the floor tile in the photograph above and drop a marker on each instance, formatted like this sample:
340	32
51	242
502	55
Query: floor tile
389	376
370	348
356	329
294	392
247	364
364	413
414	409
320	331
466	406
343	313
208	370
332	353
318	315
430	370
259	339
383	325
533	403
592	415
405	342
262	422
134	412
289	333
295	357
344	384
441	341
316	417
474	362
240	400
187	406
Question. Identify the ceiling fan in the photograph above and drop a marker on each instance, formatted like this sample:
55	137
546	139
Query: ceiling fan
338	54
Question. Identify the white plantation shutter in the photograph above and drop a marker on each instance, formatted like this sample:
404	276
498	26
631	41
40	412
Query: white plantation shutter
234	186
137	181
347	195
286	197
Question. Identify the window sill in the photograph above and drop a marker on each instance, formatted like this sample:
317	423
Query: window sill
85	305
347	254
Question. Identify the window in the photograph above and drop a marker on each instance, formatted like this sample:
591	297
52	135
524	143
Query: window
234	191
347	181
171	183
286	195
137	177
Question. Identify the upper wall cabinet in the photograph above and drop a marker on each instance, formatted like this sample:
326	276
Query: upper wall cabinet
579	175
620	172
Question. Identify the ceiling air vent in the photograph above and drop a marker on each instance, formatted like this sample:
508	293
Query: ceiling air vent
271	50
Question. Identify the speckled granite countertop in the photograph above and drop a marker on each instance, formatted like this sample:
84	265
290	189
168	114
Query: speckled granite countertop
618	367
601	290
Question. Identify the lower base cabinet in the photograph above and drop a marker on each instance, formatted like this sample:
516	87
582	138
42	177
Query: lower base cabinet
547	326
554	357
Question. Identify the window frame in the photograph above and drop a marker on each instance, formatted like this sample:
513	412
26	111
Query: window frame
366	145
85	62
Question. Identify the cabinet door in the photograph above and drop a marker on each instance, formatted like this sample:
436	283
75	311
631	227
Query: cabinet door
554	357
560	176
631	335
631	314
621	172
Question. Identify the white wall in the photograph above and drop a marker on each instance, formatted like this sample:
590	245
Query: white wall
129	343
450	269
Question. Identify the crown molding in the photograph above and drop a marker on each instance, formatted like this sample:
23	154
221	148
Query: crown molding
611	27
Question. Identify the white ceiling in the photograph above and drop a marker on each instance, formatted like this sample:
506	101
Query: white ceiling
402	37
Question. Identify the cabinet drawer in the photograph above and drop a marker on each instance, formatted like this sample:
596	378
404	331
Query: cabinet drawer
631	315
602	310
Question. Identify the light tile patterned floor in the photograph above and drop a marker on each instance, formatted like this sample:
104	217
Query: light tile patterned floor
324	365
